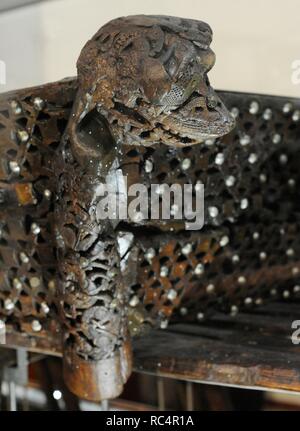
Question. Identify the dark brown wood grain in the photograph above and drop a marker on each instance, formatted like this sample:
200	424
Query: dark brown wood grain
253	350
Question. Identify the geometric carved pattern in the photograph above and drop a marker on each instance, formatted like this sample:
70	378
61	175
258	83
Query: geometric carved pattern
242	257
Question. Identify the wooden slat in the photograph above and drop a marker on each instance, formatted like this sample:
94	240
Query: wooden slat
253	350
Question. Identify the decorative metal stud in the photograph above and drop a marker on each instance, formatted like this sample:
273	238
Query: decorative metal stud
45	307
186	164
183	311
35	229
149	254
296	289
23	257
148	166
8	304
200	316
248	301
134	301
255	235
213	212
263	178
36	326
219	160
209	142
16	108
290	252
34	282
295	270
254	107
164	324
187	249
258	301
47	193
267	115
52	285
286	294
17	283
296	116
199	269
283	159
244	203
241	280
287	107
234	112
245	140
23	136
273	292
172	294
276	138
210	288
14	167
38	103
263	255
224	241
230	181
164	271
235	258
252	158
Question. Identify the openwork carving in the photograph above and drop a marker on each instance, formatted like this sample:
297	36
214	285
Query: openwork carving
141	102
141	81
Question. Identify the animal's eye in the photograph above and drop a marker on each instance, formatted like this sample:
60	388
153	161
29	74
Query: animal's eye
171	66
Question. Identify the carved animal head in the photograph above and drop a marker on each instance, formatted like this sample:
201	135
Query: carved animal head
143	80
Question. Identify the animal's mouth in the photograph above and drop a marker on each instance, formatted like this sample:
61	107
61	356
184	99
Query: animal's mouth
198	119
183	135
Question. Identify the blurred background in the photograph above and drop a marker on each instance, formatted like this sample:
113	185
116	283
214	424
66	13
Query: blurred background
256	42
257	45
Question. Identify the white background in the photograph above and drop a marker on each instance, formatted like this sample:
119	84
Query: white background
255	41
